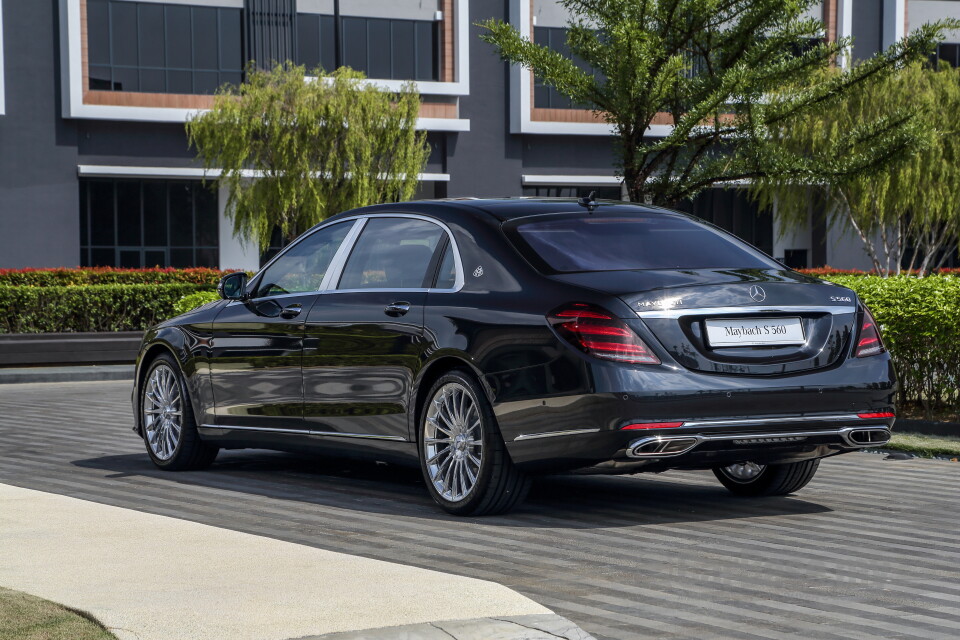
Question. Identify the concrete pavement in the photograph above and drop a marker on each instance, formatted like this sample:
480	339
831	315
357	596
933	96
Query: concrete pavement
150	577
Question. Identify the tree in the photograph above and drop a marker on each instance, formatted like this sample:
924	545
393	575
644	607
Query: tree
726	72
295	151
907	208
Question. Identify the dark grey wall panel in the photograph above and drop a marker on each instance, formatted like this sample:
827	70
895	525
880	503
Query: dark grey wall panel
867	28
580	155
486	161
39	202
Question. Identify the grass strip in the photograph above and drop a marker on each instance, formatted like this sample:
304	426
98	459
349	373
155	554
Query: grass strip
925	446
25	617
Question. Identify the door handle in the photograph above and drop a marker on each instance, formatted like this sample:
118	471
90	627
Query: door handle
291	311
397	309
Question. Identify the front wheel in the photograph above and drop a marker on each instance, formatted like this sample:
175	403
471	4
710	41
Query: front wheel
464	460
752	479
169	428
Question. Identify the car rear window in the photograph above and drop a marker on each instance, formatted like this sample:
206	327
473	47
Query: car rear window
570	243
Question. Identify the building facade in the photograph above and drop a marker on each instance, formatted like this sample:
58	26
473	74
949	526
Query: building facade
94	163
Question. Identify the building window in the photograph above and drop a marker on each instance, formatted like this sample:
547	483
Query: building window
599	193
733	210
947	52
384	49
547	97
148	223
162	48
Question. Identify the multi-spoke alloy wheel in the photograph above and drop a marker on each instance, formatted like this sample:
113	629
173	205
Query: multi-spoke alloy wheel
453	439
166	419
465	463
162	412
752	479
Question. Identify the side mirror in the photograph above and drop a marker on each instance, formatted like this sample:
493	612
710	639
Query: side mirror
233	286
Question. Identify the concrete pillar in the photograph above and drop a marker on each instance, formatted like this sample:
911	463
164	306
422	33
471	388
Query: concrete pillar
234	253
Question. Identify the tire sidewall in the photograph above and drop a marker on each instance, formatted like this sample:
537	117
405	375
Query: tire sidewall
490	436
186	421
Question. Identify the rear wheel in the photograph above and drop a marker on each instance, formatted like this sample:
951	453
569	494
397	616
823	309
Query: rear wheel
169	428
752	479
464	460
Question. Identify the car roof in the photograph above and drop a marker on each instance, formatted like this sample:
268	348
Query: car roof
502	209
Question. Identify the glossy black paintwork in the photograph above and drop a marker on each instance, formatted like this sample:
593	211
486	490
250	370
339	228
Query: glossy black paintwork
345	366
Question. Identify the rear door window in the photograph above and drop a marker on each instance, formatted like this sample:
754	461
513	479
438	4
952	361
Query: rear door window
392	253
569	243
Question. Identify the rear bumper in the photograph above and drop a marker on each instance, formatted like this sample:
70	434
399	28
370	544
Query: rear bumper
727	418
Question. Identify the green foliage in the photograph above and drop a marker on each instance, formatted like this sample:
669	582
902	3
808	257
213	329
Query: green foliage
918	321
724	73
107	275
194	300
914	202
26	617
316	147
925	446
103	307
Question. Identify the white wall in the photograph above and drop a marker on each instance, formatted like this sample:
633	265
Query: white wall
845	249
409	9
549	13
234	254
923	11
791	238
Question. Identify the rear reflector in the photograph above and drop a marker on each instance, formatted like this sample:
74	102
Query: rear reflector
880	414
653	425
599	333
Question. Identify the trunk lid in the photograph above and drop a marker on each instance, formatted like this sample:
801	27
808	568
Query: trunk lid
676	305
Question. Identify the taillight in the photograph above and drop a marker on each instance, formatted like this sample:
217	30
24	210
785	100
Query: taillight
878	414
868	337
599	333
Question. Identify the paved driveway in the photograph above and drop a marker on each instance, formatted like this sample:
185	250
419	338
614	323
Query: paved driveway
869	549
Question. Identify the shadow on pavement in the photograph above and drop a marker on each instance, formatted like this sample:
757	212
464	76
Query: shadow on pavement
561	501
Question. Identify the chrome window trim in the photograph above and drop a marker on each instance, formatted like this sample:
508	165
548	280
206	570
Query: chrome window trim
306	432
458	264
255	280
706	311
554	434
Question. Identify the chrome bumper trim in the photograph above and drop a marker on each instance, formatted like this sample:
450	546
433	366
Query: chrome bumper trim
553	434
773	438
760	422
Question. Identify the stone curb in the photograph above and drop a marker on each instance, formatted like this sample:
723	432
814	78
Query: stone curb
528	627
67	374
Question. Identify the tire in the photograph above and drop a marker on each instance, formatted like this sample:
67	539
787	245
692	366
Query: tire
164	401
454	409
771	480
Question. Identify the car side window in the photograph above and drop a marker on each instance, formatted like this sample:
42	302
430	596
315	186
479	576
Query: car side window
391	253
302	267
447	274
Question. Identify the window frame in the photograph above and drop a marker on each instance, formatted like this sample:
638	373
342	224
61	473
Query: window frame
332	277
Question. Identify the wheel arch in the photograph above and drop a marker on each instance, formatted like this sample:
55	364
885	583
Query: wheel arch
429	374
159	344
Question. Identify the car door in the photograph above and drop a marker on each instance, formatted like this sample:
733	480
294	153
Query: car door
257	348
363	343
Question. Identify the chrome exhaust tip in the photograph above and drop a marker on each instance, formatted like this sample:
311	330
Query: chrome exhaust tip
865	436
662	446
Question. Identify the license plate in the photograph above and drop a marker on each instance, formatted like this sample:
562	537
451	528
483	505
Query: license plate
752	333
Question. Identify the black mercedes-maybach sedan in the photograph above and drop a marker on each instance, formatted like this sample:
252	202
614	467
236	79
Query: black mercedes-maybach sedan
491	340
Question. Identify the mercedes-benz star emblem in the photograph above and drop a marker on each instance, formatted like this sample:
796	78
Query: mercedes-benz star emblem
757	293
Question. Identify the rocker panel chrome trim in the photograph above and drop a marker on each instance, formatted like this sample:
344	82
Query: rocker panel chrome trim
305	432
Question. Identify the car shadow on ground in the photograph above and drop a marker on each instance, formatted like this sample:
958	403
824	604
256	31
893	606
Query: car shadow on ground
557	501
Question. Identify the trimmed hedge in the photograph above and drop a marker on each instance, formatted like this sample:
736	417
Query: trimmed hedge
919	320
104	307
194	300
108	275
824	272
